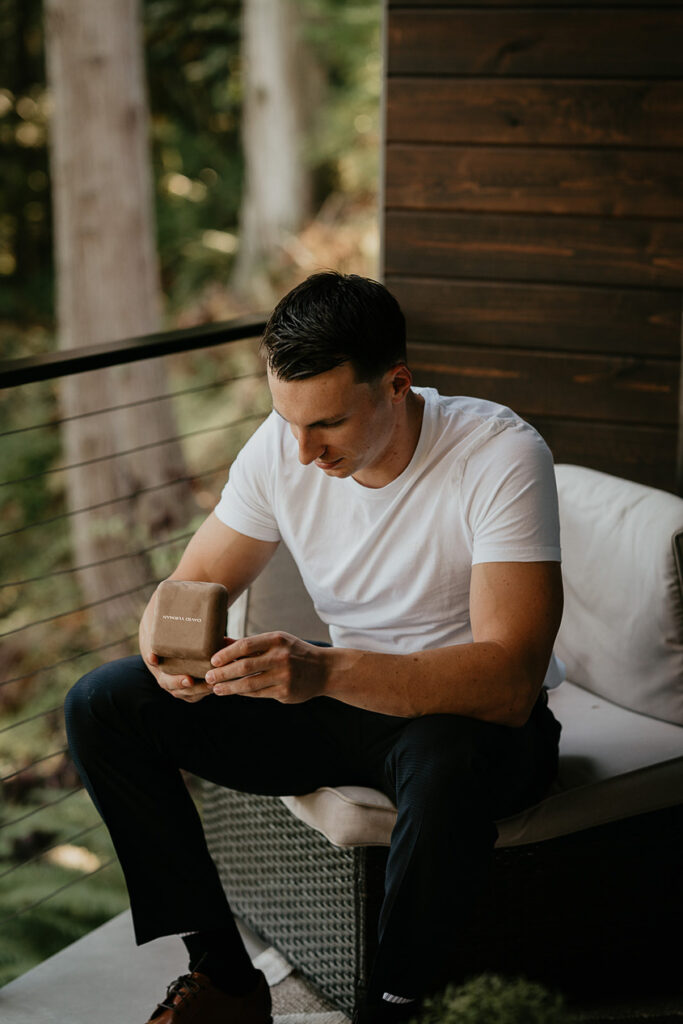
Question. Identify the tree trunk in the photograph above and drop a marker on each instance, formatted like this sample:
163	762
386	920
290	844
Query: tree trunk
279	87
108	288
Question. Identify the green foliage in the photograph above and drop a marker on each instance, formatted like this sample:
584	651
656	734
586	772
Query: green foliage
195	92
26	286
27	453
192	53
65	902
491	999
344	145
28	939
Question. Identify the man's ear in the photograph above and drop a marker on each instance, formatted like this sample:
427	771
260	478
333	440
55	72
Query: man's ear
401	380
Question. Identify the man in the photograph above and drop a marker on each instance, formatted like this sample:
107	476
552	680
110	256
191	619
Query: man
426	532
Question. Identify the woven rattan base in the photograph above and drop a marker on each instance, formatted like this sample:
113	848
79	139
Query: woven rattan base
590	914
316	903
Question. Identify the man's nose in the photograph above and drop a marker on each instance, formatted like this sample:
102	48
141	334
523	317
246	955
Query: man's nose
309	448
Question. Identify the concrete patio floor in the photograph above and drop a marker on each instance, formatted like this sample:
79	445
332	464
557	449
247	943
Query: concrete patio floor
104	978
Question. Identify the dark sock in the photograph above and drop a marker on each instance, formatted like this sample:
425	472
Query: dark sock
221	956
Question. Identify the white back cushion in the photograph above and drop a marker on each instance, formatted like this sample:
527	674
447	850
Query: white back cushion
277	600
622	631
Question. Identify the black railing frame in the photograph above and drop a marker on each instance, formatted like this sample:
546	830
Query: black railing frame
47	366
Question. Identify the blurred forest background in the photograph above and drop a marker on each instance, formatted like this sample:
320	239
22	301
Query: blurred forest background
74	582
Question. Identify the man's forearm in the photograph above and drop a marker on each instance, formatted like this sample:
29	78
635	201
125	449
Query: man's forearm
478	680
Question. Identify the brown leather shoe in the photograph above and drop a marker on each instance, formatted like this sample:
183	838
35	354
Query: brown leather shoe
193	999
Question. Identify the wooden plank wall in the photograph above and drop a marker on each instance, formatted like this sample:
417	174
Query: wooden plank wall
533	216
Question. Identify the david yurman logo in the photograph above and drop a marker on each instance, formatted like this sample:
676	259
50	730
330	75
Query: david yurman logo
181	618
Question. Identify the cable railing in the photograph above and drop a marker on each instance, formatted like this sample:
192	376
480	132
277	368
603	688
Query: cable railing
67	661
128	451
102	561
57	619
37	810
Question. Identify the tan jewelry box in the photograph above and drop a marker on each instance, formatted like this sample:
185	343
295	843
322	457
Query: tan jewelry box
189	625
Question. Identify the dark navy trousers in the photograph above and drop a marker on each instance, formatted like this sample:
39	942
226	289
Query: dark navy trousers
450	778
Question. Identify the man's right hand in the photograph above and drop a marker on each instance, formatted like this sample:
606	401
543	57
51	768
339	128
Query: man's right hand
183	687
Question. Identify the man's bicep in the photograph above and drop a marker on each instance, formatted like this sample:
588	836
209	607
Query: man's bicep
218	554
519	605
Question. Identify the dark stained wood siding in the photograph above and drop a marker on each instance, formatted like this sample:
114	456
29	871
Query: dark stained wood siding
533	216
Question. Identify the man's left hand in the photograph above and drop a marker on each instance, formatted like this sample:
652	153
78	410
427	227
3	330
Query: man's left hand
276	665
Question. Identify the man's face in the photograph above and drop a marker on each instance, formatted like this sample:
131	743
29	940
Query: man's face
345	427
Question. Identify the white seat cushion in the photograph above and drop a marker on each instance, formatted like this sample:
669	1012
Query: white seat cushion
346	815
600	739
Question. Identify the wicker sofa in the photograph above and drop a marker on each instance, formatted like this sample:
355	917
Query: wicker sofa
586	887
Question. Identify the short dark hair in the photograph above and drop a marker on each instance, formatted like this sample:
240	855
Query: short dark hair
330	319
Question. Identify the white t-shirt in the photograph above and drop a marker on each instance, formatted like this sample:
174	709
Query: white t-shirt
389	568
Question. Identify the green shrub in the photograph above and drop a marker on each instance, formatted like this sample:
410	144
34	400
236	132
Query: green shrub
491	999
